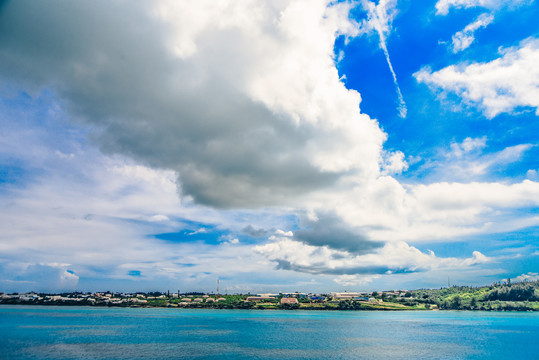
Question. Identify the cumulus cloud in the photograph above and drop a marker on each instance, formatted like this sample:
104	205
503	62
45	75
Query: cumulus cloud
458	195
98	212
458	209
464	38
443	6
242	100
331	231
389	211
499	86
393	163
396	257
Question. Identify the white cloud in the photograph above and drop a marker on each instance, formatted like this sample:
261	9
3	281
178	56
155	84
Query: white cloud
159	218
242	100
397	257
531	276
459	196
468	145
443	6
463	39
495	87
229	239
467	161
388	211
393	163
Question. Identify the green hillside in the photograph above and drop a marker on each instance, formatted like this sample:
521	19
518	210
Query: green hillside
507	296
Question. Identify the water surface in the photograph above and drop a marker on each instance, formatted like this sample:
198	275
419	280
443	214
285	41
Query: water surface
49	332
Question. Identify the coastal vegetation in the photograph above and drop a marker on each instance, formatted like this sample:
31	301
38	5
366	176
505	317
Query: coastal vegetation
522	296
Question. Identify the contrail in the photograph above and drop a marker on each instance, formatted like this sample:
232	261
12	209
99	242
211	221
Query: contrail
376	14
402	105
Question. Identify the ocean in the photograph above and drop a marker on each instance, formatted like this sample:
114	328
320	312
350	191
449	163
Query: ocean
50	332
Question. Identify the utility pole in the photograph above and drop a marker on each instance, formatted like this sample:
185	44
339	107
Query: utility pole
217	287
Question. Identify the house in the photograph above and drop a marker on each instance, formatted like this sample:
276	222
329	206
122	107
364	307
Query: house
198	300
138	301
289	300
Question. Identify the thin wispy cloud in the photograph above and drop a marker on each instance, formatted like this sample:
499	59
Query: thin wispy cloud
380	18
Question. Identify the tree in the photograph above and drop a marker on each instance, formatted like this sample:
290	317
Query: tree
456	302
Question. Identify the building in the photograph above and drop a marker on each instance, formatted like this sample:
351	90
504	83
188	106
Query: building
295	294
259	298
289	300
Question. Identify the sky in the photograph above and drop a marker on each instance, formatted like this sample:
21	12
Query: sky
275	145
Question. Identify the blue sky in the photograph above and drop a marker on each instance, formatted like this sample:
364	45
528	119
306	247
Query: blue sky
296	145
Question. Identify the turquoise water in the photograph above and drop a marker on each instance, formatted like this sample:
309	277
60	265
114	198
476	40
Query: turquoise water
38	332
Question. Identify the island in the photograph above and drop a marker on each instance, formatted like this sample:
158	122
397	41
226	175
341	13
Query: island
507	296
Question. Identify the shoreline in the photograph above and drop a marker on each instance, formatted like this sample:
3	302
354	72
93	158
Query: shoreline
521	296
254	308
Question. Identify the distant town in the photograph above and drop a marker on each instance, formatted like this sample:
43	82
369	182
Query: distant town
522	296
